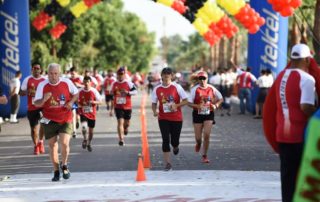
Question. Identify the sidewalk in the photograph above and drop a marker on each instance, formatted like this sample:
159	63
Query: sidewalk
178	186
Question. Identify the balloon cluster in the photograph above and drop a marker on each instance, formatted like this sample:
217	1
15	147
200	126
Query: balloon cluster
45	16
285	7
250	19
212	23
75	11
177	5
244	14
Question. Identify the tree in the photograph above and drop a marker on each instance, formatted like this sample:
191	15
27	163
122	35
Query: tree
316	31
105	36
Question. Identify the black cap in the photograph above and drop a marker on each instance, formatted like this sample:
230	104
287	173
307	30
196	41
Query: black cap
166	70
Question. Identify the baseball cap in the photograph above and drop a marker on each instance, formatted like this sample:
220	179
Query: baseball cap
300	51
166	70
202	73
121	70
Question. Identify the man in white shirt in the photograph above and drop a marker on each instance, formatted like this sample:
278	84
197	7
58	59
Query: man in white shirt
14	97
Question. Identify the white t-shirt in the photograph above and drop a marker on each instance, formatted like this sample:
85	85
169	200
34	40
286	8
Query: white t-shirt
15	83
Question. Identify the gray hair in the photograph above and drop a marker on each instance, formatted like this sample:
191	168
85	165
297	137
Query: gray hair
54	65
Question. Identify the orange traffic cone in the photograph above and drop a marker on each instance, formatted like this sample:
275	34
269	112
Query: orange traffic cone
140	172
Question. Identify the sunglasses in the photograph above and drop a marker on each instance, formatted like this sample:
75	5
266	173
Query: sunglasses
202	78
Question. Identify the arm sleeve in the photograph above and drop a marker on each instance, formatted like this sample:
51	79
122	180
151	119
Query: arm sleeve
307	91
154	97
39	91
183	95
192	95
24	84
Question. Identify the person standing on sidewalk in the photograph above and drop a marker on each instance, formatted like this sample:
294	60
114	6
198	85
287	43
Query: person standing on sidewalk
295	97
171	97
245	81
3	101
14	97
88	100
56	96
29	87
122	90
204	99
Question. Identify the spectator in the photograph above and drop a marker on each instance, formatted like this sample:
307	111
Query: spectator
14	97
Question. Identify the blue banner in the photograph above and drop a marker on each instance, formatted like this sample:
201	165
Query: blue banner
14	47
267	49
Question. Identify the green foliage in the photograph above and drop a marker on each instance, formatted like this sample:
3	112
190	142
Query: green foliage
103	37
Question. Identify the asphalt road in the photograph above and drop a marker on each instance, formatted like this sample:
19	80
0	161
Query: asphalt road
237	143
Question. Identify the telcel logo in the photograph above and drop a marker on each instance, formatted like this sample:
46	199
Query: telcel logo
10	41
271	38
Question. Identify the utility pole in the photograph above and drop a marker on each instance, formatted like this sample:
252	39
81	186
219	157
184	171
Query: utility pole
165	41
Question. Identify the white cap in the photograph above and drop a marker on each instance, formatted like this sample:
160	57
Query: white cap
300	51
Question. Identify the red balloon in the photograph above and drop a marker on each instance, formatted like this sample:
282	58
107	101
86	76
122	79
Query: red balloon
261	21
287	11
179	7
295	3
254	29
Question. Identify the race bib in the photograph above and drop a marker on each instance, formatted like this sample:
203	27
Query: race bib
205	110
44	120
62	102
121	100
109	88
32	100
87	109
167	107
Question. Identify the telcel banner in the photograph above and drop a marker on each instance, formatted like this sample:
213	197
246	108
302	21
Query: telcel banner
14	47
267	49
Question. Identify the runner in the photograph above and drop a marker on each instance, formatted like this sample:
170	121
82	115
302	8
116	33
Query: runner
29	87
89	98
204	99
77	80
171	98
107	83
122	90
56	96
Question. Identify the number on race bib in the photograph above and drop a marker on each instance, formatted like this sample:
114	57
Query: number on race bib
121	100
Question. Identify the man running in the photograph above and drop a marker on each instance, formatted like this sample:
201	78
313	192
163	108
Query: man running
56	96
88	100
122	90
107	83
29	87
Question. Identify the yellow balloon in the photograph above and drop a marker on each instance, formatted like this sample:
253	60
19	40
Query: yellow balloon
200	26
205	18
213	12
232	6
166	2
79	9
63	3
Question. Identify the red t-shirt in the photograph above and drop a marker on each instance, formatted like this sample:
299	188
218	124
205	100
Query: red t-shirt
205	96
77	81
107	84
121	99
99	79
166	95
86	108
30	85
245	80
62	92
293	87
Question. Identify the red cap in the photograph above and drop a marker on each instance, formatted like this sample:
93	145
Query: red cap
202	73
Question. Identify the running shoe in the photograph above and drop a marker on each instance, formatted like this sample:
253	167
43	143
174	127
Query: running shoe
84	144
176	150
89	148
56	176
205	159
197	147
121	143
41	147
168	167
65	172
77	124
74	134
36	150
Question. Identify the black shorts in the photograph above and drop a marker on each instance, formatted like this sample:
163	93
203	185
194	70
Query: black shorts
199	118
262	95
34	117
91	122
109	98
123	113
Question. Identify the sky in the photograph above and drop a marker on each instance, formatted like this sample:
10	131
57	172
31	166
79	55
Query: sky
153	14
